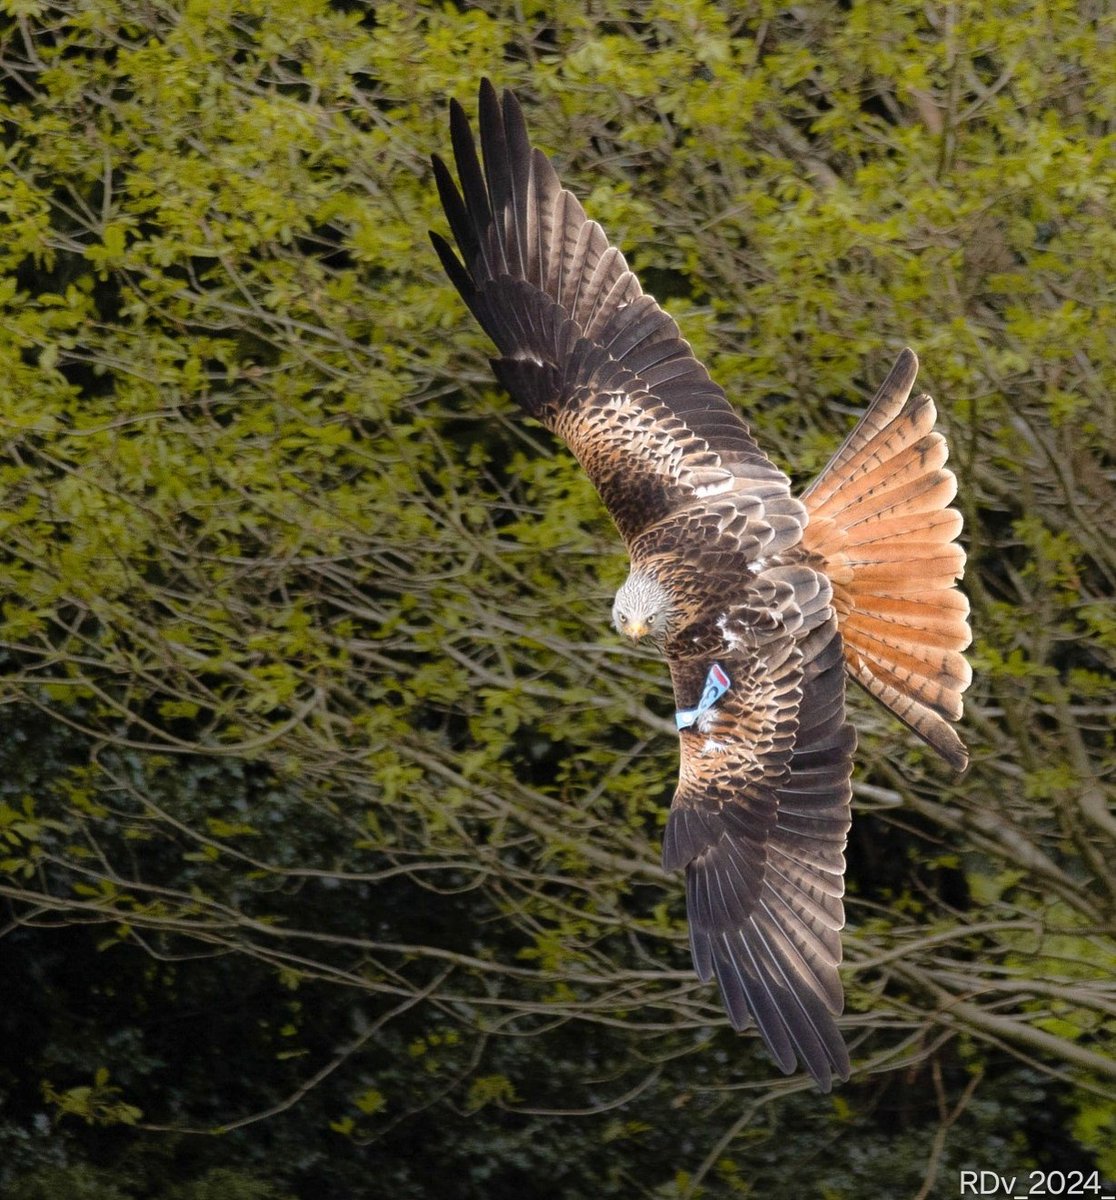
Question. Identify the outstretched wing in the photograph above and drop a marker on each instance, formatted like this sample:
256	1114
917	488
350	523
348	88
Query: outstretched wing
582	348
760	819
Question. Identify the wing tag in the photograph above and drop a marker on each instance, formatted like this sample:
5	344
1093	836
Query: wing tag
716	684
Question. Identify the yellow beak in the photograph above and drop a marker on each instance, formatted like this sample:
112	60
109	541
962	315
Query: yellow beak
636	630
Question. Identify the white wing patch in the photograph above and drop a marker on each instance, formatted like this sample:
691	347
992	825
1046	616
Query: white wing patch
715	489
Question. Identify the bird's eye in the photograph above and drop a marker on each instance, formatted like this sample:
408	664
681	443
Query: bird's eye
622	618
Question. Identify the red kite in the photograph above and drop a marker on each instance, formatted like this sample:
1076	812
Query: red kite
760	601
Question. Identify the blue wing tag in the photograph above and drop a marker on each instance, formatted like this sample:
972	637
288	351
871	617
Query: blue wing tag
716	684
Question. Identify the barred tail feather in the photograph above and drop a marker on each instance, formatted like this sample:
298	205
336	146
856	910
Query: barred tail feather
879	517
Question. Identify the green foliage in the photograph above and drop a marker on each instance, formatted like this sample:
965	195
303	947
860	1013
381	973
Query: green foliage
96	1104
329	807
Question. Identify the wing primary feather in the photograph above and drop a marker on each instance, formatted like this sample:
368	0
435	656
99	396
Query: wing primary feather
459	277
498	177
518	148
460	225
473	189
771	1017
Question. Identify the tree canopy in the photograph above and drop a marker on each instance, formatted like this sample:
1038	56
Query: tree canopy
330	807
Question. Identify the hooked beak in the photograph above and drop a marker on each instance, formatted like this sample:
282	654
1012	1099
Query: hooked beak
636	630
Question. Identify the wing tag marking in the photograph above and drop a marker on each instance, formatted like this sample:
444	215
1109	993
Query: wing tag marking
716	684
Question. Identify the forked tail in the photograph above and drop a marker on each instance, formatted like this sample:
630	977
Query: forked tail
879	516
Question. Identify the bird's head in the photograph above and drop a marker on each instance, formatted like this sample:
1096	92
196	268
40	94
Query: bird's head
643	608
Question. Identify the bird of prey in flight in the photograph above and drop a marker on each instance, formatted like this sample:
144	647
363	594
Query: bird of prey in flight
759	600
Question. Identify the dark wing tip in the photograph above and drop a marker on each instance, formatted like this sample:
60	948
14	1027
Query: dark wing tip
956	753
900	379
513	112
451	264
458	122
773	969
457	112
795	1023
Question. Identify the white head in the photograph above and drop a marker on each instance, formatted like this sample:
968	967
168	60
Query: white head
642	608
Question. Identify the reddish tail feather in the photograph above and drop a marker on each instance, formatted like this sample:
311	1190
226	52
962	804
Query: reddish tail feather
879	517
